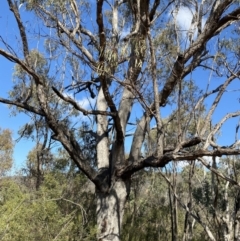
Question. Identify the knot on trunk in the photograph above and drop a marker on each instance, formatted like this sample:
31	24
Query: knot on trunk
102	180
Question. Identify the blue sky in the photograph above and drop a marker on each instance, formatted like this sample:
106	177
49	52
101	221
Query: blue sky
12	122
8	30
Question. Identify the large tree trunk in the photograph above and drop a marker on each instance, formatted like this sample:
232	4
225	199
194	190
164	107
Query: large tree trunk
110	210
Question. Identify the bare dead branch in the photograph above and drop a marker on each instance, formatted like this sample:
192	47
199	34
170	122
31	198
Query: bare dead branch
221	90
189	143
208	166
219	124
154	161
185	207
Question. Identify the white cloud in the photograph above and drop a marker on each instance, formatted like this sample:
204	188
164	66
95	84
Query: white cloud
86	103
125	32
184	18
209	159
68	95
182	164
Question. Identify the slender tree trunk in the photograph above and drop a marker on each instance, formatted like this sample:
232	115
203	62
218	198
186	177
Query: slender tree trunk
228	225
237	217
173	207
110	210
39	172
175	204
189	221
175	212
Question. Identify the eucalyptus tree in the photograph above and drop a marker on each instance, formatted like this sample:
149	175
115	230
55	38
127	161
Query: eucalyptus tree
128	59
6	151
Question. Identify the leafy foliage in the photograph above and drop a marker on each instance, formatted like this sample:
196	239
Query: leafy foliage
6	151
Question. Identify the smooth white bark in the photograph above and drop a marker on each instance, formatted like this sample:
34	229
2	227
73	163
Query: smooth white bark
102	124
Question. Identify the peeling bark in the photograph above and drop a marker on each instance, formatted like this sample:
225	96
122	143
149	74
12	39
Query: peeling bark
110	211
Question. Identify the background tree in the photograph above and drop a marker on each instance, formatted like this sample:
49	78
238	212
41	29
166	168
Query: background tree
140	70
6	151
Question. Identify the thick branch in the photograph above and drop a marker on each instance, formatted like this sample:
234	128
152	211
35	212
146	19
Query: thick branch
23	106
79	108
217	10
172	80
189	143
227	20
153	161
90	35
63	134
15	59
21	27
154	9
213	26
77	17
139	137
